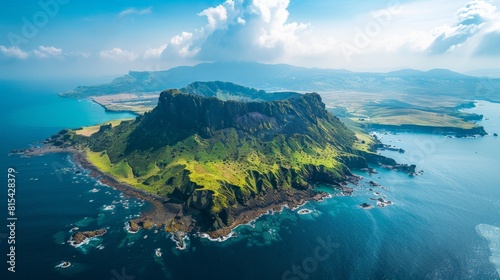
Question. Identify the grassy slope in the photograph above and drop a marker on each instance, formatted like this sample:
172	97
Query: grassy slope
89	130
232	163
364	141
214	163
402	109
398	117
226	159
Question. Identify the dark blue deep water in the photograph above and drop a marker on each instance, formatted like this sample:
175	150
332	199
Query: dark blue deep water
444	224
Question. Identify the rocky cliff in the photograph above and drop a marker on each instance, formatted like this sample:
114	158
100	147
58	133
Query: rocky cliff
179	115
214	160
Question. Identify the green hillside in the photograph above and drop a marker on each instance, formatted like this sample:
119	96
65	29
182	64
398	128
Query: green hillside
215	156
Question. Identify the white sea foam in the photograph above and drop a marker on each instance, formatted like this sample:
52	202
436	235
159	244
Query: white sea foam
86	241
108	207
63	264
218	239
492	234
128	229
99	183
304	211
180	245
158	252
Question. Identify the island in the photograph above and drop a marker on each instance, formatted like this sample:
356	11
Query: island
79	237
215	155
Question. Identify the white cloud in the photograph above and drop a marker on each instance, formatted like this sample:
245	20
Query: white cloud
180	39
13	52
135	11
216	16
241	30
449	31
470	20
118	54
241	21
154	52
44	52
475	12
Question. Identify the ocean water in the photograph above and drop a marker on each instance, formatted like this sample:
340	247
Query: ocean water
444	224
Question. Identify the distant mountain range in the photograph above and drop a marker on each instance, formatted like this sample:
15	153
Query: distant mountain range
282	77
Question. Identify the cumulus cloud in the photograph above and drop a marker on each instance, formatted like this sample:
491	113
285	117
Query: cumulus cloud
118	54
180	39
217	16
240	30
135	11
13	52
154	52
470	20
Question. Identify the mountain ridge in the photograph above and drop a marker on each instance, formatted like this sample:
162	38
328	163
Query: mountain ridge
282	77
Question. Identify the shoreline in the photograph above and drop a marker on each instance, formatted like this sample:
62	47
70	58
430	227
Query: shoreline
92	99
455	131
172	218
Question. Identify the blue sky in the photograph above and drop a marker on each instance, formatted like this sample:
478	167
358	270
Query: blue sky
55	38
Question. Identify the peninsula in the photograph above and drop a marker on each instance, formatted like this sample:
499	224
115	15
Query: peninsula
214	155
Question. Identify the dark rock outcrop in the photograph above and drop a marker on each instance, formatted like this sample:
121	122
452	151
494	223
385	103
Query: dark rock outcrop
80	237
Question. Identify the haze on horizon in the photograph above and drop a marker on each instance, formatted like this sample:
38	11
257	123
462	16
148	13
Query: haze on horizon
63	38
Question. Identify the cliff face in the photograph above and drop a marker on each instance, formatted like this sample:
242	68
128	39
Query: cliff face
219	158
179	115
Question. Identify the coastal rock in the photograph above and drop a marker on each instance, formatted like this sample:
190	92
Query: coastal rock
137	224
373	184
366	206
134	227
383	203
381	146
80	237
347	191
390	163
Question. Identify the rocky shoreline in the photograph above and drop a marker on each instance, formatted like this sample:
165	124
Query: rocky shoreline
178	219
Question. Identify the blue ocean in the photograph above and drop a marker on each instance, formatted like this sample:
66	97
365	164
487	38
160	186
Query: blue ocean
443	224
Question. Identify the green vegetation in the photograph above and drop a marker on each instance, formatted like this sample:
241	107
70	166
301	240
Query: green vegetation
418	117
89	130
205	151
432	96
396	114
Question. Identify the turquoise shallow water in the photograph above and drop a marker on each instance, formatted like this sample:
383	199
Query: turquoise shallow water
443	225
